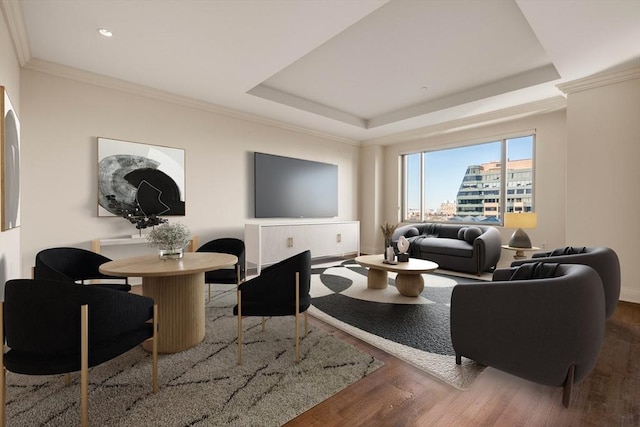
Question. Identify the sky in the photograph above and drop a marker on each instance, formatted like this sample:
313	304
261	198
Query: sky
447	168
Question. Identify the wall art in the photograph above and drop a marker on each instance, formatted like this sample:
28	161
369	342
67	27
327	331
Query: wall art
10	151
145	177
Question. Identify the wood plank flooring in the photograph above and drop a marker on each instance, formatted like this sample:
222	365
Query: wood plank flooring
400	395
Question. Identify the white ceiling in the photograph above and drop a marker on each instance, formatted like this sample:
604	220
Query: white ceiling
367	70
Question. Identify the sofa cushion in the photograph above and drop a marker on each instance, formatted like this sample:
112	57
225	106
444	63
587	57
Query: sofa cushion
453	247
471	233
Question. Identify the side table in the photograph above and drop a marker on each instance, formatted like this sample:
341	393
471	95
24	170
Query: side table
520	252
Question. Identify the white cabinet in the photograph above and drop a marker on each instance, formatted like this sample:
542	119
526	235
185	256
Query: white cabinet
268	243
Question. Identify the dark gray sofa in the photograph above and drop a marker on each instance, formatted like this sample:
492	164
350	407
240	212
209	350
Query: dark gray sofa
541	322
458	247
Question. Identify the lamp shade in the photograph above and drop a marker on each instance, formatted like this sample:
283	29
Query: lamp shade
520	220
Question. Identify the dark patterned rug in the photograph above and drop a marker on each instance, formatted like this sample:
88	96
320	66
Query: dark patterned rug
413	329
202	386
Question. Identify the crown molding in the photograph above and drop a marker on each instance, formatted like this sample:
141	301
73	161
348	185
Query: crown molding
599	80
12	11
101	80
493	117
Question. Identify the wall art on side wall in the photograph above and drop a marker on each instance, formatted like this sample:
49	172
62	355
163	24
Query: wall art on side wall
10	151
143	176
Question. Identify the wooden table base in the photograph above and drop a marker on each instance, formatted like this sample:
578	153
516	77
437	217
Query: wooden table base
409	285
377	279
181	317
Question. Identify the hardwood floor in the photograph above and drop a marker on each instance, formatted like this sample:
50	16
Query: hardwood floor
400	395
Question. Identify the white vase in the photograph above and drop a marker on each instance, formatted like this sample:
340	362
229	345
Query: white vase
390	254
175	253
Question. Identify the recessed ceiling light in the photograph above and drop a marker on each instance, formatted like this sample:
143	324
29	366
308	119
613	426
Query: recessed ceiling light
105	32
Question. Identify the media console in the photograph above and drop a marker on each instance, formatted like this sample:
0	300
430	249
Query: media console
267	243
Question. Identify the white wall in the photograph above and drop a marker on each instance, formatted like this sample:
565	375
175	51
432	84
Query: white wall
10	79
603	164
550	170
62	119
371	195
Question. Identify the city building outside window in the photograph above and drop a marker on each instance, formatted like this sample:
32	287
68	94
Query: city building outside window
471	184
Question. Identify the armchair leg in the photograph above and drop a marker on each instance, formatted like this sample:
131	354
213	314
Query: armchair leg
67	379
3	390
297	317
239	327
458	359
306	323
84	365
3	377
568	386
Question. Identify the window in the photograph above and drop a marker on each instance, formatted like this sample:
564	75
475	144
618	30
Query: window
475	183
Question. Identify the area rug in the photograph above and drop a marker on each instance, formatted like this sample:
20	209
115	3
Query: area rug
202	386
415	330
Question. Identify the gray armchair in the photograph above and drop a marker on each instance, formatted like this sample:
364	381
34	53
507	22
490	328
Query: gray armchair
603	260
541	322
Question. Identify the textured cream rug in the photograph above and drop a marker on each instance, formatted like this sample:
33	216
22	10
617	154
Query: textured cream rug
202	386
415	330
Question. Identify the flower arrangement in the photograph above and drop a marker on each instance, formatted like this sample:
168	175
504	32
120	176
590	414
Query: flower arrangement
172	237
387	232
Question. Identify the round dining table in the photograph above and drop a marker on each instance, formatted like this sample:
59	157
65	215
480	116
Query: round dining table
177	287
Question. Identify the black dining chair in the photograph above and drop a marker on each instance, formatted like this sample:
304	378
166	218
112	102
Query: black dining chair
226	245
78	266
57	327
282	289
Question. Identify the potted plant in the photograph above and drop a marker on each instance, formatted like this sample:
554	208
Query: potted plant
170	239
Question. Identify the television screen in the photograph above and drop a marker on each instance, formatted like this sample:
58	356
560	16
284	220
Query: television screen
294	188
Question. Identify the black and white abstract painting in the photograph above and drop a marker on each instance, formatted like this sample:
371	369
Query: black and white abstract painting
143	176
10	141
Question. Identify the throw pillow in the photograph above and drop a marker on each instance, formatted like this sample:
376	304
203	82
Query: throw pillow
471	233
411	232
534	270
461	232
569	250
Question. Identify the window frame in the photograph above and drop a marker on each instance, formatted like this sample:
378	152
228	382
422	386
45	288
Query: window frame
503	196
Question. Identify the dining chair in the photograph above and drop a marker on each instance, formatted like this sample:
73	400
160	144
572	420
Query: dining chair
57	327
227	245
282	289
76	265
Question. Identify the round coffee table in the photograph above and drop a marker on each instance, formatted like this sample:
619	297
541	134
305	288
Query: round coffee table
409	281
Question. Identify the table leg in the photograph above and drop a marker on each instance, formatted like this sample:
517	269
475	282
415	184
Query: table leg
409	285
181	317
377	279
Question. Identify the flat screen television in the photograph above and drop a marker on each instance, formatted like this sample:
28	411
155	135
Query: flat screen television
294	188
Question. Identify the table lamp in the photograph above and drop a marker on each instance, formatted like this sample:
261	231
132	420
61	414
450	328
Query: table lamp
520	220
